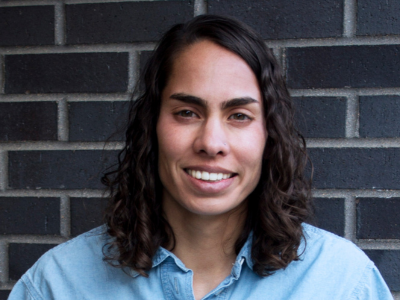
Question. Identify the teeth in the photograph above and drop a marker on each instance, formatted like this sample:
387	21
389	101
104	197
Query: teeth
208	176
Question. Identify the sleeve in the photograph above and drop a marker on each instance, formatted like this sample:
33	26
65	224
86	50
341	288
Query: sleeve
21	291
372	286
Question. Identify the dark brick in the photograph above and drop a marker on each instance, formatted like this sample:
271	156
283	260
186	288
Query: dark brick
97	121
323	117
29	215
378	218
378	17
23	256
344	66
28	121
144	58
388	263
66	73
362	168
123	22
329	214
4	294
380	116
282	19
58	169
26	25
86	214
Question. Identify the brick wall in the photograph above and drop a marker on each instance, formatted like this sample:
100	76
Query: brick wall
68	68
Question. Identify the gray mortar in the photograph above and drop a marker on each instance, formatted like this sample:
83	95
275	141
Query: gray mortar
59	24
350	18
65	216
63	126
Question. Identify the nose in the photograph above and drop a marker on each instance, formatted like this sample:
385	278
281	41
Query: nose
212	139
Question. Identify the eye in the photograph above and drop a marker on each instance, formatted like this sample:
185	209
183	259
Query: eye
239	117
186	114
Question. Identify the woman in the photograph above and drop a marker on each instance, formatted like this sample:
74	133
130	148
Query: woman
209	199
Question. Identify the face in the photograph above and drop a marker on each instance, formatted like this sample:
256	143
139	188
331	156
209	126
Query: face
211	131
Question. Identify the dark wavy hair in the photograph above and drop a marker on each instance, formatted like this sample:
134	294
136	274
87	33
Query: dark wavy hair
276	208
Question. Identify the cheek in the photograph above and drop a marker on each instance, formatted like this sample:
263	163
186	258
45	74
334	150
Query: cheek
170	142
250	148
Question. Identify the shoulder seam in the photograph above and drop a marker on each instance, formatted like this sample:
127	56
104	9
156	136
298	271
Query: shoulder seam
361	283
30	288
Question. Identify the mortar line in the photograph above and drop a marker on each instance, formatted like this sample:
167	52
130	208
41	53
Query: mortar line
63	124
352	117
354	143
79	48
7	285
3	170
350	218
71	97
350	18
345	92
59	145
65	216
52	2
341	41
133	70
3	262
200	7
53	193
380	244
59	23
143	46
396	295
32	239
343	193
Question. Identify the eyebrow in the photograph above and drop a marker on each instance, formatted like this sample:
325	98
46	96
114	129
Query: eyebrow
203	103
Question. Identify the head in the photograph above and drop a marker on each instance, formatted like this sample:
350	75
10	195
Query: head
271	182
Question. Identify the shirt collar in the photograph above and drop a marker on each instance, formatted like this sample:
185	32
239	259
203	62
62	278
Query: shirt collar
244	255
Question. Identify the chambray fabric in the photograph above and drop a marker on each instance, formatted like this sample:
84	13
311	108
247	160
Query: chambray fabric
330	268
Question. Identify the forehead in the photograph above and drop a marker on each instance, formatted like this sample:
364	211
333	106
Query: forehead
209	71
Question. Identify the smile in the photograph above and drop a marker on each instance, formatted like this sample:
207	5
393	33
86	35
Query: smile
206	176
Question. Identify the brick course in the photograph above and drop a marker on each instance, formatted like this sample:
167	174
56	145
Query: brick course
122	22
23	256
378	17
26	25
321	117
282	19
371	212
41	169
86	214
379	116
96	121
388	263
329	214
66	73
29	121
30	215
343	67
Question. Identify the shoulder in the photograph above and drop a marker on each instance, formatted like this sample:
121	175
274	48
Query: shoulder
327	251
69	264
323	244
338	265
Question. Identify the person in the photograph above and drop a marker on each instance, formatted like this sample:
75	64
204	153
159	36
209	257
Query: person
210	197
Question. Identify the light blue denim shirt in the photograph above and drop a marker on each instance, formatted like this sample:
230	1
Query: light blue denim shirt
330	268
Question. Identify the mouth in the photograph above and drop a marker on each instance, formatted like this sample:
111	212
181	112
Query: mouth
207	176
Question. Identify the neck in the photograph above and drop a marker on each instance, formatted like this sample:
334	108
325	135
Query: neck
205	242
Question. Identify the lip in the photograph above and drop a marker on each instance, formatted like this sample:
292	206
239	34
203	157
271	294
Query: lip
210	169
209	187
